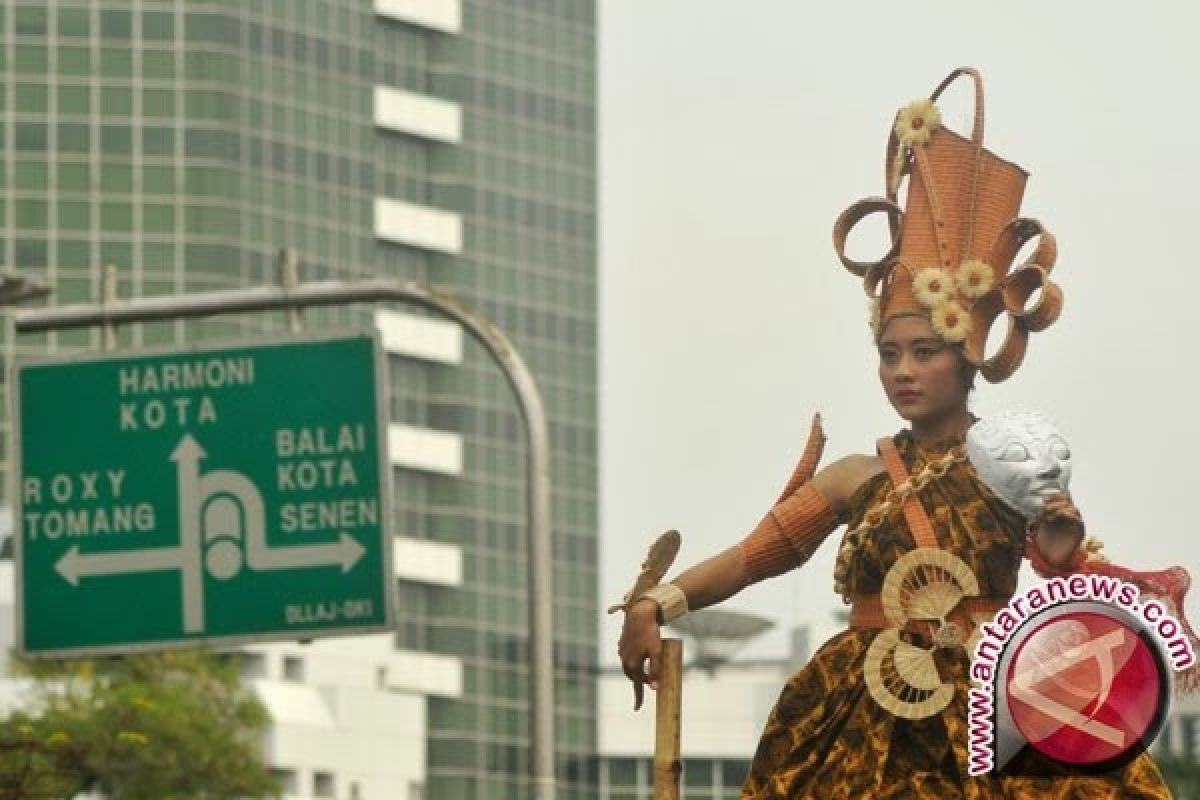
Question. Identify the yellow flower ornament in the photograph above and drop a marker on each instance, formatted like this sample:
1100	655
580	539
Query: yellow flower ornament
951	322
933	286
974	278
916	122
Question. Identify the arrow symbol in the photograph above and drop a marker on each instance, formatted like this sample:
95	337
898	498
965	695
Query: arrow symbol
346	551
188	452
194	490
74	565
187	455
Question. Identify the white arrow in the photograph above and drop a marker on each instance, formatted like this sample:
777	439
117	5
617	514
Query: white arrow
261	556
187	455
188	452
72	566
346	551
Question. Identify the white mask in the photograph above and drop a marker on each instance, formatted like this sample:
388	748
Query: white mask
1022	457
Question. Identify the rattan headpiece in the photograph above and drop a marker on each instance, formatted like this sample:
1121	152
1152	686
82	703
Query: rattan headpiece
953	244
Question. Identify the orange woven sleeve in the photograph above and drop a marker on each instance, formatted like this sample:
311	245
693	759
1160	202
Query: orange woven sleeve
789	534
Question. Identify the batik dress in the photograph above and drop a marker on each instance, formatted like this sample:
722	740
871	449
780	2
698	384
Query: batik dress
828	737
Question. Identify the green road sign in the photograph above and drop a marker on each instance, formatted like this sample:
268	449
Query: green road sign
210	496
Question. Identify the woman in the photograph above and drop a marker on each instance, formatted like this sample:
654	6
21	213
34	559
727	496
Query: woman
857	722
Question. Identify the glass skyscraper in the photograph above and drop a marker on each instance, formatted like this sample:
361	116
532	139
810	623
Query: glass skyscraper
447	141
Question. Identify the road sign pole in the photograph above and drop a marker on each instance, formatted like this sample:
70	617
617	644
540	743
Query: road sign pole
289	278
109	297
336	293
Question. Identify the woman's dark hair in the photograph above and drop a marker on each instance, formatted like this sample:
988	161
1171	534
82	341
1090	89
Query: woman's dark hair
966	370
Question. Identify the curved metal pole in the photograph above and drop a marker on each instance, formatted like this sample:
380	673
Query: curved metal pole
331	293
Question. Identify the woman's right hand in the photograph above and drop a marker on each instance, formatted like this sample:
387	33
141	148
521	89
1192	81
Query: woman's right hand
640	645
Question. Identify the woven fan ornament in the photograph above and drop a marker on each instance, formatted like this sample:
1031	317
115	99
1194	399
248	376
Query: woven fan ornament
924	584
903	696
953	245
915	665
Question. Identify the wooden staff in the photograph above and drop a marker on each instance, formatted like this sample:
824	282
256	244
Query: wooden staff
668	706
667	764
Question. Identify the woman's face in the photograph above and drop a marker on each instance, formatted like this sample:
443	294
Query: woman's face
921	374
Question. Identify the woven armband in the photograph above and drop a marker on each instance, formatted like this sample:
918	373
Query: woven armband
789	534
672	602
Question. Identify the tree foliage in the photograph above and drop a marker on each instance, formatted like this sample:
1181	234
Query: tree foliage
174	725
1182	774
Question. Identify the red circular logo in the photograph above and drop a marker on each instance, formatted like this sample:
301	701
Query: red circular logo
1085	688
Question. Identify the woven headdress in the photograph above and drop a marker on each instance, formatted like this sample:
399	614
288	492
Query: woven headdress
953	244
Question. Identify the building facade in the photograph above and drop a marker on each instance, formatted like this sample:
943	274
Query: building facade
724	707
451	142
723	713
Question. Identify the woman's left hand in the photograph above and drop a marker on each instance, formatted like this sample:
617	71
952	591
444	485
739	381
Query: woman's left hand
1060	517
1059	529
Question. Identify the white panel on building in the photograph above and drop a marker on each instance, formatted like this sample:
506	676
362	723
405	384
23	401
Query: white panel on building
425	449
418	226
294	703
420	337
442	15
366	662
427	562
428	673
418	114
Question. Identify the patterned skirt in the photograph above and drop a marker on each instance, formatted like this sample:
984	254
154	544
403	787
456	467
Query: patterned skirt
827	738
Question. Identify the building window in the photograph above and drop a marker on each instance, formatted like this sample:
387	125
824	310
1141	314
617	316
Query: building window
322	784
31	97
733	773
73	22
30	21
30	59
158	64
293	668
1187	729
74	61
30	136
74	100
286	778
158	25
158	141
116	139
116	62
116	102
73	138
697	772
158	103
254	665
116	24
622	772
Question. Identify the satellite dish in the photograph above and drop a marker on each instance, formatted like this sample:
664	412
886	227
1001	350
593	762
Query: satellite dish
719	634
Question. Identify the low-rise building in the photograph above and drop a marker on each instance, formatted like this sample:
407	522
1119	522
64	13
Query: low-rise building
724	709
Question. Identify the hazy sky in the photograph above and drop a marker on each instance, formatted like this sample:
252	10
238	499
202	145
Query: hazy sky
732	135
